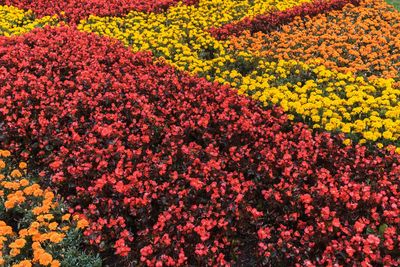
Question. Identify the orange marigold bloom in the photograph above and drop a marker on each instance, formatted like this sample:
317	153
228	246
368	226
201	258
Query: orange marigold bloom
19	243
23	165
55	263
24	182
66	217
56	237
24	263
16	174
45	258
53	225
36	245
14	252
23	232
2	164
5	153
48	216
9	204
82	224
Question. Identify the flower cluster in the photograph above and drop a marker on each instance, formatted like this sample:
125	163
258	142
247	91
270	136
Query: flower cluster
74	10
372	48
173	170
32	225
324	98
16	21
180	35
272	21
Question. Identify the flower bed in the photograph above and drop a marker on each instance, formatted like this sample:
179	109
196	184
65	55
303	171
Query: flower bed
171	169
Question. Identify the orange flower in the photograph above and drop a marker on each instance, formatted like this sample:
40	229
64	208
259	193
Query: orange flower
53	225
9	204
16	174
55	263
19	243
24	263
14	252
82	224
24	182
2	164
66	217
45	258
56	237
5	153
22	165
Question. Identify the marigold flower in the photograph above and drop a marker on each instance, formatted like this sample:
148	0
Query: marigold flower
66	217
22	165
16	174
24	263
45	258
82	224
18	243
5	153
53	225
2	164
14	252
24	182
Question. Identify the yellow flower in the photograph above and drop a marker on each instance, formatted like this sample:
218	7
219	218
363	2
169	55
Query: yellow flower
347	142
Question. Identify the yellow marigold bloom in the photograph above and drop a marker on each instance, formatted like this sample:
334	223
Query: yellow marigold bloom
23	165
16	174
82	224
45	258
19	243
2	164
347	142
